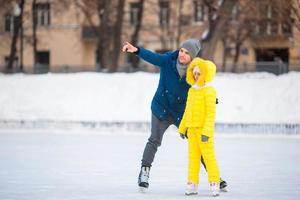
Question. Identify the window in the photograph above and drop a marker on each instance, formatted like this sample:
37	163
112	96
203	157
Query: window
198	11
15	61
134	13
286	28
9	23
286	23
42	15
273	23
43	62
164	13
268	25
43	57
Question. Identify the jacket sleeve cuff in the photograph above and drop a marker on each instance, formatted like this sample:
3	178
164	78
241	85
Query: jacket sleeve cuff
137	51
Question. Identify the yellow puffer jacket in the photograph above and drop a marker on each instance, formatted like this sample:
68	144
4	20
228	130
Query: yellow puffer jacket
201	102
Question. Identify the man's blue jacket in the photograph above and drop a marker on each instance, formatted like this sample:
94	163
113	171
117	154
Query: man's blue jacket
171	94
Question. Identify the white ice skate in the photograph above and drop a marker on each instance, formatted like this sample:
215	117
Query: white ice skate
191	189
215	189
143	179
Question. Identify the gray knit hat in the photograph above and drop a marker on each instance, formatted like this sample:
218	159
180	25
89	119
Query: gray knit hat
193	46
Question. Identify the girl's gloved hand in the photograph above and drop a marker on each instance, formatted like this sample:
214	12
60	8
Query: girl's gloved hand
204	138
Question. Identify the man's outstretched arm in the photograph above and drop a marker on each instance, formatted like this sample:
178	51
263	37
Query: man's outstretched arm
149	56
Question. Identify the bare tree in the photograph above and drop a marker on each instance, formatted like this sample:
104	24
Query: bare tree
118	25
88	8
243	26
217	18
16	31
34	30
137	28
225	42
104	9
295	8
107	28
179	21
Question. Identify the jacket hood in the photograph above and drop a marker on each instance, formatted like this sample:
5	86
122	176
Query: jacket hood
207	68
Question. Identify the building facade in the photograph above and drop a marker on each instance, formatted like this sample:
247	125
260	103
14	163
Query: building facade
64	42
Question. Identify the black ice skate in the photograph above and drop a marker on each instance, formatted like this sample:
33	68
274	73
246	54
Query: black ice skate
143	178
223	186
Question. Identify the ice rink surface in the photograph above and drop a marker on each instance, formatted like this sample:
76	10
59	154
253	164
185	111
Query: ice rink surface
76	166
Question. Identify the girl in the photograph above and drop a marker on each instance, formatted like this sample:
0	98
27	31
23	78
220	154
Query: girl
198	123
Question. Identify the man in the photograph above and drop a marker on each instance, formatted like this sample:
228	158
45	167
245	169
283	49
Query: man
169	101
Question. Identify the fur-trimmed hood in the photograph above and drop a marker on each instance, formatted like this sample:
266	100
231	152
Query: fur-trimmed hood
207	68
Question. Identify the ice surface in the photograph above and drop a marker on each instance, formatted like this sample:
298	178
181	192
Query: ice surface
88	165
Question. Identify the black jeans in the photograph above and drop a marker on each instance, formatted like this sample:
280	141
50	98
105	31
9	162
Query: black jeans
158	128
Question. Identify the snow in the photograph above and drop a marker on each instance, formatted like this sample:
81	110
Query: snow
244	98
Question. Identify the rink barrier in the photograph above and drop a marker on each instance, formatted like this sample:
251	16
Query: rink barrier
267	128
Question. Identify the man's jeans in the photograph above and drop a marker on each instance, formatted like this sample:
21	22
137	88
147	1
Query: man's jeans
158	129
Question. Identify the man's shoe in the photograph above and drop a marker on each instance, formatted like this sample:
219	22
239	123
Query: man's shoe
144	177
223	186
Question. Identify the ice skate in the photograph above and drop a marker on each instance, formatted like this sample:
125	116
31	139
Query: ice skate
215	189
191	189
143	179
223	186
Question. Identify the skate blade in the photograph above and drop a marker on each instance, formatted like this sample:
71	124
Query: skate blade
142	189
190	194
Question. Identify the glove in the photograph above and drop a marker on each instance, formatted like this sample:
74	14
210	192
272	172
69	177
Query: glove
184	135
204	138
